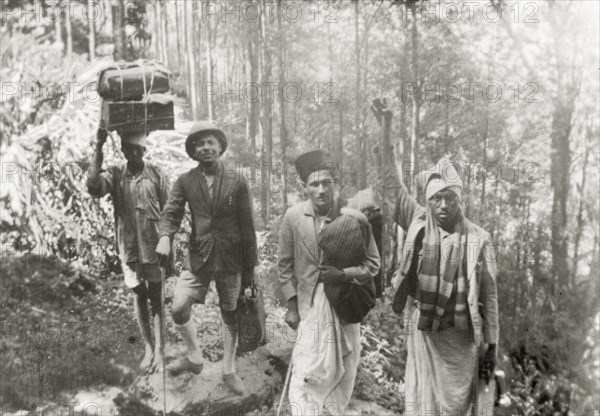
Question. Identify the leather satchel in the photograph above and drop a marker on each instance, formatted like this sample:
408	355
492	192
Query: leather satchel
251	321
351	301
344	244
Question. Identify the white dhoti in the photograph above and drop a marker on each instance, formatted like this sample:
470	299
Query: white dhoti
441	371
324	360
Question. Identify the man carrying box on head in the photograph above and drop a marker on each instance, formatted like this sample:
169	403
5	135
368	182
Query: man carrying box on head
139	191
222	245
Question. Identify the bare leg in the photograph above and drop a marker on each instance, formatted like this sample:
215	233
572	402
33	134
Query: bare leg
231	378
229	343
143	320
181	312
154	293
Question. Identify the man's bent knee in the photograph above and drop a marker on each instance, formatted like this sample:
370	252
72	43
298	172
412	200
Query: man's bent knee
181	310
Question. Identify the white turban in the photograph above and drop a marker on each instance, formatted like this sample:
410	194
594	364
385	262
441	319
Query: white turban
443	175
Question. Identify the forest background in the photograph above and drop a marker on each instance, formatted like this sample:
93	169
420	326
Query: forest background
508	89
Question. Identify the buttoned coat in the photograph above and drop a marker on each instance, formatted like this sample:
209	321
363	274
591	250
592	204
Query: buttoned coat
481	270
222	225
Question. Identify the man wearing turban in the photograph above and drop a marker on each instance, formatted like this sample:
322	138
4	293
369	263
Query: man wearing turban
448	296
327	349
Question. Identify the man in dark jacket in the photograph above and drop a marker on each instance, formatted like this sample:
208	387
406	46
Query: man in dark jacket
222	244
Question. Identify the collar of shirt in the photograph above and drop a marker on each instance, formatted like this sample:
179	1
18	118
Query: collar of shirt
309	211
139	175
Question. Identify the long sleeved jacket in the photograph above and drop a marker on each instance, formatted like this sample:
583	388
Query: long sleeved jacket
222	225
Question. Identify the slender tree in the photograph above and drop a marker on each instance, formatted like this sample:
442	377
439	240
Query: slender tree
283	133
266	118
191	57
210	38
165	31
58	38
118	29
416	99
579	221
69	30
92	29
253	58
358	130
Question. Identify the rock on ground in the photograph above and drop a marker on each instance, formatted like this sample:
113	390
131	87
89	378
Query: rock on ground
206	394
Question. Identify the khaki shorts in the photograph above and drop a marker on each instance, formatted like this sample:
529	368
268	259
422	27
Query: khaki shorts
135	274
195	285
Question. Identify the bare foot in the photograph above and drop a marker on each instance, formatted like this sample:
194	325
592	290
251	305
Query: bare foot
157	363
146	363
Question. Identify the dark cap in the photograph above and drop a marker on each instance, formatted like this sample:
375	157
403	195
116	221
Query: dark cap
314	161
200	129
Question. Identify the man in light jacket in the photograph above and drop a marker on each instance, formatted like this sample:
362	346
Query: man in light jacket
327	351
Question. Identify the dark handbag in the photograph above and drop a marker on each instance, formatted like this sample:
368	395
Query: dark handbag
344	244
251	321
351	301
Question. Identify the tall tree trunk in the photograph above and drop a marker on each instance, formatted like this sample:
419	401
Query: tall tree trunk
178	31
486	123
405	139
58	38
253	55
266	120
69	34
118	23
416	100
209	65
283	133
198	43
165	32
186	61
579	226
191	57
559	179
361	173
340	144
92	30
568	86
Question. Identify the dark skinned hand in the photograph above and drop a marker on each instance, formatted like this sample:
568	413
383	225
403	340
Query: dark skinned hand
488	363
101	135
247	278
331	275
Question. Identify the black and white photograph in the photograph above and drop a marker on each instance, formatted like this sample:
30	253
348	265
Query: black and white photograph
300	207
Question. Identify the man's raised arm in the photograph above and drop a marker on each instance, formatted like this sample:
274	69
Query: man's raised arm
406	205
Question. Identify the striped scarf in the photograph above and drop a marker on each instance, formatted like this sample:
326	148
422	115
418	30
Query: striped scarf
434	291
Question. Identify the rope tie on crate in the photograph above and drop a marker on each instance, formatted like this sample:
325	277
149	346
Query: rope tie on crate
120	78
141	64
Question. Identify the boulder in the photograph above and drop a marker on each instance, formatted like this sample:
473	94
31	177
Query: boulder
262	372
